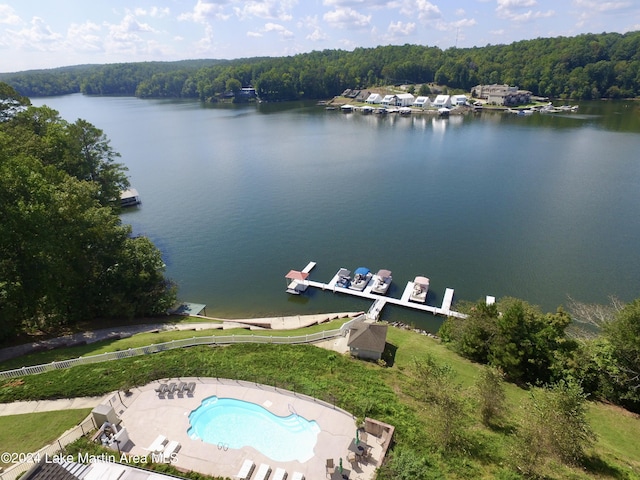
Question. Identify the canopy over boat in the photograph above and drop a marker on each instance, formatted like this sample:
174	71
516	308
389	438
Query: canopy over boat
362	271
296	275
384	273
421	280
343	272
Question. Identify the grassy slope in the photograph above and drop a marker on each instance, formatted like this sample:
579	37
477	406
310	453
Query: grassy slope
32	431
362	388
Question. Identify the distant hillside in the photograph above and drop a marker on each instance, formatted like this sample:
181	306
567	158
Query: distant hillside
589	66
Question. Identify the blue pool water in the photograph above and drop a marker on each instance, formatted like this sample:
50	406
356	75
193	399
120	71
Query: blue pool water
232	423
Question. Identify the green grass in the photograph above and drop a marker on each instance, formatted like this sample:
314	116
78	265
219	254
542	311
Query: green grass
145	339
29	432
363	388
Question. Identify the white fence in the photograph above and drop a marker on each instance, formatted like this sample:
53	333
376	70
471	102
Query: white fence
187	342
27	460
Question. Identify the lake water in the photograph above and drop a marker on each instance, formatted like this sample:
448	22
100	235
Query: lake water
538	207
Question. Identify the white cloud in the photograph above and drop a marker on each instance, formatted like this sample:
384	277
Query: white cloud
345	17
84	37
317	35
602	7
37	36
270	9
357	3
155	12
272	28
8	16
422	9
206	10
516	10
460	12
400	29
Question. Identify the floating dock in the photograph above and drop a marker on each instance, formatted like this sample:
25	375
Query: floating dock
300	283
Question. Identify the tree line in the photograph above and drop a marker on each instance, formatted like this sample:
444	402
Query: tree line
589	66
534	348
65	256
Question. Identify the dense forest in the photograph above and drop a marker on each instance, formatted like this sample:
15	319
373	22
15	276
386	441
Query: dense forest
589	66
65	256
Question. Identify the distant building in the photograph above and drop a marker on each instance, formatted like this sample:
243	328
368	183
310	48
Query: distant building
501	94
422	102
442	101
458	99
374	98
398	100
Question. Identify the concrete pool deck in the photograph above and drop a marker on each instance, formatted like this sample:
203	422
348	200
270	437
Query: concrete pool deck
146	416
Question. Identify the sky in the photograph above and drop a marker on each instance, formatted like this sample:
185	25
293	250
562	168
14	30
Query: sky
39	34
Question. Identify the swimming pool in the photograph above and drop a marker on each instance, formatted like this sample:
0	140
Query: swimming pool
233	423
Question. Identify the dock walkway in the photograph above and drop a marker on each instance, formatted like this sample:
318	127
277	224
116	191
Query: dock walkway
382	300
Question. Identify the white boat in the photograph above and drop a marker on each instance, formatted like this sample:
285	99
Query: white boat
381	282
420	289
366	109
361	278
444	112
344	278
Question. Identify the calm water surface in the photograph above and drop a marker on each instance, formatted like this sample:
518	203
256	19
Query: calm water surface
539	207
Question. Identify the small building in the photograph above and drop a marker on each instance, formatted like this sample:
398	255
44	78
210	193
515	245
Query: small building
404	100
367	340
374	98
422	102
442	101
389	100
458	99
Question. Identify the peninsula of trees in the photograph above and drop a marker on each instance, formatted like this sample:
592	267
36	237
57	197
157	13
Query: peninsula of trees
589	66
65	256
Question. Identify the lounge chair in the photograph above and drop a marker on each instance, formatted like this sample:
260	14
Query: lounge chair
297	476
170	449
246	470
263	472
181	388
161	389
190	388
172	388
331	468
280	474
158	444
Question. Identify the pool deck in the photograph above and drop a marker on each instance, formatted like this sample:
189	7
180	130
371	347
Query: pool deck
146	416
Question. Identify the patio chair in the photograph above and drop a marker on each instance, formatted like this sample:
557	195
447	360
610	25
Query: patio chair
353	460
263	472
170	449
246	470
190	388
331	468
280	474
161	389
172	388
297	476
158	444
180	389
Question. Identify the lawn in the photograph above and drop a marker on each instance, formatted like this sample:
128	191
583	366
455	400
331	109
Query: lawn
363	388
29	432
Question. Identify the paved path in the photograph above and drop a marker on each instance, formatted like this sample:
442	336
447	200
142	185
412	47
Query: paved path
17	408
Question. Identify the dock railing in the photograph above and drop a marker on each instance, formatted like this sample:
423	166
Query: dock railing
187	342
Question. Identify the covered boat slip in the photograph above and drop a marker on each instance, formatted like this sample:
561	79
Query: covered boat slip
404	301
297	280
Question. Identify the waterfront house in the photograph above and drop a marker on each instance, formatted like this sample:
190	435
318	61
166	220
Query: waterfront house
501	94
442	101
404	100
389	101
367	340
374	98
422	102
458	99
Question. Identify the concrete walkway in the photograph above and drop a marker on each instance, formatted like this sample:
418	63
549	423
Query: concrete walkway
35	406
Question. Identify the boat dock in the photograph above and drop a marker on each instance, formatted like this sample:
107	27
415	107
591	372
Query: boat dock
301	282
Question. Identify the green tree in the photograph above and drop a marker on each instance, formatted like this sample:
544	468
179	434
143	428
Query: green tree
491	396
444	399
554	425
